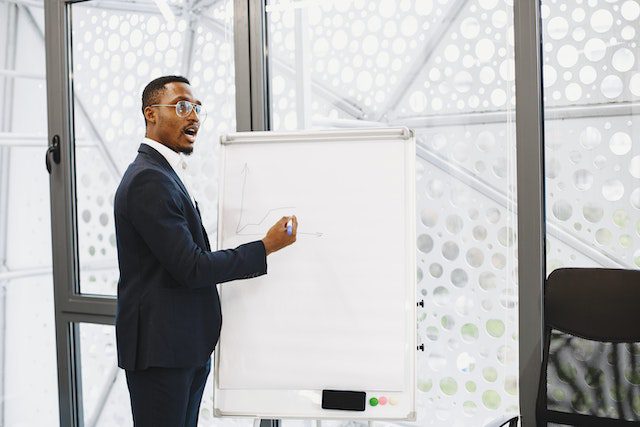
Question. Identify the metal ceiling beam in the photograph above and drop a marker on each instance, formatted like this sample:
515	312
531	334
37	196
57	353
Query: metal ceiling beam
131	6
21	74
198	7
453	119
30	3
507	202
345	123
347	106
8	66
551	113
303	69
21	273
592	110
101	402
9	139
188	46
336	99
437	34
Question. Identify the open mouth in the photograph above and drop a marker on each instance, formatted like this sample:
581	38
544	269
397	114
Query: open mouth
191	132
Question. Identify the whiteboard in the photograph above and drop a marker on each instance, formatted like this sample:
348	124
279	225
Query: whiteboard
336	310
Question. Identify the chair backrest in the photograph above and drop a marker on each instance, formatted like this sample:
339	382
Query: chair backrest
591	359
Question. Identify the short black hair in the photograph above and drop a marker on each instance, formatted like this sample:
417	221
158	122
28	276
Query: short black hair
151	93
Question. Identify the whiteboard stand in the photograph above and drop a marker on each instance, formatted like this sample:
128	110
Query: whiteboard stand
337	310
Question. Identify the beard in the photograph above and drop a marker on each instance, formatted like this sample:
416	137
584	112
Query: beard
187	151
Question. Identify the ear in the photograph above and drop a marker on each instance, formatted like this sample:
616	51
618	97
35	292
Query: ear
151	115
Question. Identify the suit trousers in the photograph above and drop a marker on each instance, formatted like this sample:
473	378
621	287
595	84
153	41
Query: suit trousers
167	396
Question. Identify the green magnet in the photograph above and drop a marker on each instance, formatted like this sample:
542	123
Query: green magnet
373	401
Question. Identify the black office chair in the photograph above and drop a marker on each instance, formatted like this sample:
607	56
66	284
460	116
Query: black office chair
507	420
591	360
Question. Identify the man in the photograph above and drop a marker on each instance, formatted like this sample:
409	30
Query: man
168	318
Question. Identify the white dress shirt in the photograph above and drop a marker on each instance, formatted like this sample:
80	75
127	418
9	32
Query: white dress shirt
176	160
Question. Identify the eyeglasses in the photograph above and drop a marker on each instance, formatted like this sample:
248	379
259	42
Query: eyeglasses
184	108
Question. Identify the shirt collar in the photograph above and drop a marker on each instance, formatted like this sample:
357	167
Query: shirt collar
176	160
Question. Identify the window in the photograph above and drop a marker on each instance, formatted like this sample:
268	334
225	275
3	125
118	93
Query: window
445	69
591	85
117	50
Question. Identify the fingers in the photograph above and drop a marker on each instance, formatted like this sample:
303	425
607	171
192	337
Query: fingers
281	224
281	234
284	223
290	225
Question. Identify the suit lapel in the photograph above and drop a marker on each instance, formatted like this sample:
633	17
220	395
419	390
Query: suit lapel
204	232
159	158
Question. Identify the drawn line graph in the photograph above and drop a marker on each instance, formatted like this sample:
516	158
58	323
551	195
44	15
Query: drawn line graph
241	227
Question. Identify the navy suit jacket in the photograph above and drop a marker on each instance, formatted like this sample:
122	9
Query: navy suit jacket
168	312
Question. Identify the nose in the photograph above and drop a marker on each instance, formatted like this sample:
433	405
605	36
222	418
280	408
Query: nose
193	116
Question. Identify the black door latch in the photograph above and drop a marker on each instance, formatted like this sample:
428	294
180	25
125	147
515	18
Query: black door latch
54	149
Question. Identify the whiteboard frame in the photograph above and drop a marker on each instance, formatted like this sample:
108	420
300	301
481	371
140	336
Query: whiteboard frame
403	135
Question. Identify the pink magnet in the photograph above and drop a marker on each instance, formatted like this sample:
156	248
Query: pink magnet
382	400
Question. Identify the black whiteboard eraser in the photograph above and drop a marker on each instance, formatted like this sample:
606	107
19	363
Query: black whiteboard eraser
344	400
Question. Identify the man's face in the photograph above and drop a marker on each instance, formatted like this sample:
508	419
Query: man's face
177	133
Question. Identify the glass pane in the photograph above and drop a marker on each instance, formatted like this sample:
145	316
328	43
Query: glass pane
591	76
445	69
29	390
105	396
28	379
117	49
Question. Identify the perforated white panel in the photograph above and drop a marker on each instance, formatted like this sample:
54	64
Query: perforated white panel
115	54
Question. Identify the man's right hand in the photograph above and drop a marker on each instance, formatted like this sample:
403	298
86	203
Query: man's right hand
277	236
